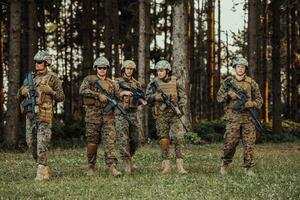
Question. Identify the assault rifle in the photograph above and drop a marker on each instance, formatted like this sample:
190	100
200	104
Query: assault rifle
138	93
112	102
167	101
240	104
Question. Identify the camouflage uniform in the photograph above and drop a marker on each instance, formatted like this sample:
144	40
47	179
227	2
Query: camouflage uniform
38	138
38	132
98	122
128	135
239	123
166	120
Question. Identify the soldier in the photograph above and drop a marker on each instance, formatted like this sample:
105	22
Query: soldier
166	119
239	123
38	131
97	121
128	134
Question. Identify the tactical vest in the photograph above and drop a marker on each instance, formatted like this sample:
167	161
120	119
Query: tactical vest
128	101
245	85
170	88
45	102
92	101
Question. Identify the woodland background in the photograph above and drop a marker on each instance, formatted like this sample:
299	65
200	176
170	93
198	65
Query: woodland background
187	33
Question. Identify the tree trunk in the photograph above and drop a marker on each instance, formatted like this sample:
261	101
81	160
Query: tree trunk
211	59
108	32
265	81
32	33
295	48
218	82
276	84
143	61
87	38
12	117
288	65
1	67
252	37
180	53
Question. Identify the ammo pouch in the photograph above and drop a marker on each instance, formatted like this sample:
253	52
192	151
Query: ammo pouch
90	101
44	109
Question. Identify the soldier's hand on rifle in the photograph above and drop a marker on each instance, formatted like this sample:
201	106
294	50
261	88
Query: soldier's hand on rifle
102	98
158	96
232	95
126	93
249	104
46	89
142	101
25	91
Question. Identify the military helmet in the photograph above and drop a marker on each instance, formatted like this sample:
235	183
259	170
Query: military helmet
128	64
163	64
101	61
42	56
240	61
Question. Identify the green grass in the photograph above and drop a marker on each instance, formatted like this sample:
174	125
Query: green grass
277	168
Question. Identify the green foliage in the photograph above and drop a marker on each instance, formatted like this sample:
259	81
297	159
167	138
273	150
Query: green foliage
213	131
276	167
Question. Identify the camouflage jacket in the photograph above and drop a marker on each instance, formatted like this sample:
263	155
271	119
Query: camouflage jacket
90	94
248	85
45	102
128	102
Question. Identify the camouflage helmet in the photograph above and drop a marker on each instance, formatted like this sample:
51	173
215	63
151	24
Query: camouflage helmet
240	61
101	61
42	56
128	64
163	64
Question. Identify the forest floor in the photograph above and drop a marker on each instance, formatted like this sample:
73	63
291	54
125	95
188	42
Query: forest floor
277	168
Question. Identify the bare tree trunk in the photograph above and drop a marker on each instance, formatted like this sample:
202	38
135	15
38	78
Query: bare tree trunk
265	81
288	65
87	38
32	33
276	89
12	117
252	37
211	59
143	61
218	82
108	32
1	69
180	53
295	61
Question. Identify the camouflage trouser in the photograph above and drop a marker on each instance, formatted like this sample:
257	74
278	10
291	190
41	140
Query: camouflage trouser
38	140
128	135
108	133
234	131
167	124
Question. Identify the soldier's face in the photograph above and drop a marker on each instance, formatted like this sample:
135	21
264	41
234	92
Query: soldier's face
40	65
240	70
101	70
128	72
161	73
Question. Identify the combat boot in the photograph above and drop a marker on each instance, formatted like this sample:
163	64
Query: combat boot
128	166
179	164
166	165
114	171
249	172
91	155
224	168
40	173
46	172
